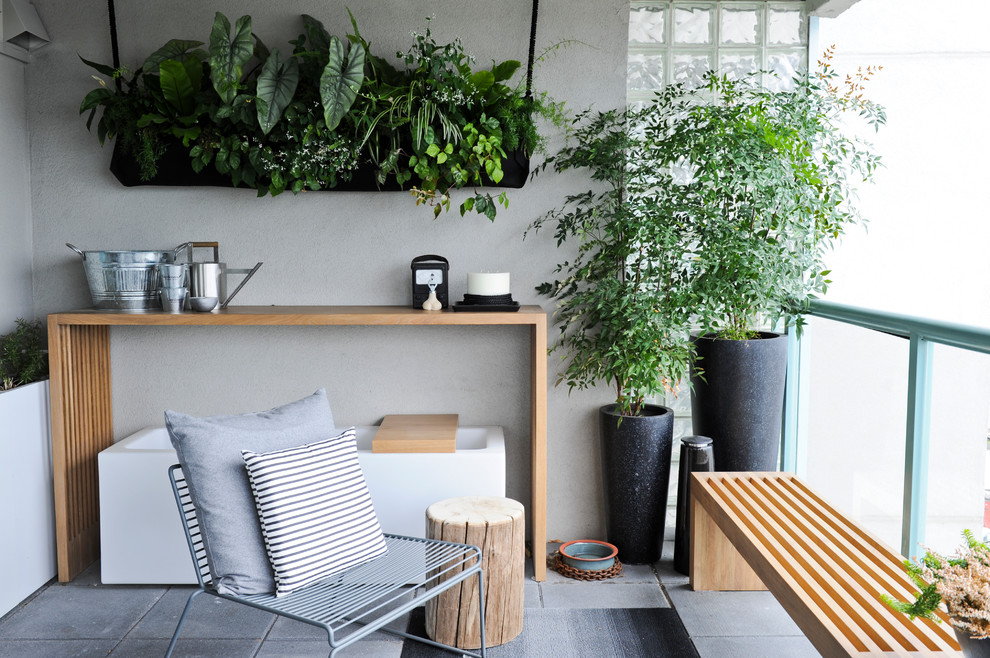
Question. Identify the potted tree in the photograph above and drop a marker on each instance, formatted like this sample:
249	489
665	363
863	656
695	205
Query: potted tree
623	315
27	558
766	184
962	582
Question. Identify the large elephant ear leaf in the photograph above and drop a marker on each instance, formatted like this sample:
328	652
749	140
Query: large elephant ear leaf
505	70
341	81
319	38
229	55
177	86
177	49
276	86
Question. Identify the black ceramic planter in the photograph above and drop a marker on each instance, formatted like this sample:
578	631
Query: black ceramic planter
738	400
635	477
972	648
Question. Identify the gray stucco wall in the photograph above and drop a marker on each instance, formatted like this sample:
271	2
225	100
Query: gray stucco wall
324	248
15	196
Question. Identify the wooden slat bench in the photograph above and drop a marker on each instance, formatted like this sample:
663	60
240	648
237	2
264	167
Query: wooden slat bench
752	531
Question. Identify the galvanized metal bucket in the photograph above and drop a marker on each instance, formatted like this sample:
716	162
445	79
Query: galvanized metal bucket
126	280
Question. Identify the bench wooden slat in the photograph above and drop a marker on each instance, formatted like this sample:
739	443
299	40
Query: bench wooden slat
883	563
861	546
863	568
798	573
715	561
841	574
771	531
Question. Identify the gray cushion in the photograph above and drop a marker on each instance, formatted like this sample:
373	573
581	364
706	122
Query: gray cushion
209	451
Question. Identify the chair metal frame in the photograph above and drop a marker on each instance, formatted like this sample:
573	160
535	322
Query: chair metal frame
359	601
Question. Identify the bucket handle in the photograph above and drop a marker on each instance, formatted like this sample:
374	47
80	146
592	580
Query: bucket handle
189	246
75	249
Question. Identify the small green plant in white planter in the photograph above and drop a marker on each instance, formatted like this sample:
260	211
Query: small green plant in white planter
23	357
27	558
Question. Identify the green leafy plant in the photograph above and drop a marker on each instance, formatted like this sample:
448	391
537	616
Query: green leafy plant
316	117
623	302
712	207
961	581
23	355
765	182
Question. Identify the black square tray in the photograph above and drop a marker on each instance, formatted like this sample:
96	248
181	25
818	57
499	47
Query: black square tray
485	308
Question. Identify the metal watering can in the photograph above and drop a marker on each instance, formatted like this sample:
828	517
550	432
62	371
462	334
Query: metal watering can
209	279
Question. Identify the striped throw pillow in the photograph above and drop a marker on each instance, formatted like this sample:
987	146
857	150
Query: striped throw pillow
316	514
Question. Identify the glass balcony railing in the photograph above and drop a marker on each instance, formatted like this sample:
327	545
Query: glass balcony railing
887	415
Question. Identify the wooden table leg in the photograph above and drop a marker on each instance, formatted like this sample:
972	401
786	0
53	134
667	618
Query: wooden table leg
82	426
538	438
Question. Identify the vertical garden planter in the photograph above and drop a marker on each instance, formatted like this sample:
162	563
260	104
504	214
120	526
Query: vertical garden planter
738	399
635	478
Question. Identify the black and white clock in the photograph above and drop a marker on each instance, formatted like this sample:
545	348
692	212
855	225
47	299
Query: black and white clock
429	274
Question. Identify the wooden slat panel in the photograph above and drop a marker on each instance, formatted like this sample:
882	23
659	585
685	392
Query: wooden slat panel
874	568
813	562
82	426
57	360
826	571
538	447
798	596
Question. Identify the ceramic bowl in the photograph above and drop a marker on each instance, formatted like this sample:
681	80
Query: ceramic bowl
588	554
203	304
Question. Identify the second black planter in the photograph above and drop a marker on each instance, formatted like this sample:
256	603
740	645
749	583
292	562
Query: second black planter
738	399
635	477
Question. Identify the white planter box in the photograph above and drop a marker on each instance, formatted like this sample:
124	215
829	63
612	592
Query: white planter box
141	537
27	507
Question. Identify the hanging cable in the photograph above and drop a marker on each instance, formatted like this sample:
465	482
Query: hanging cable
532	49
113	40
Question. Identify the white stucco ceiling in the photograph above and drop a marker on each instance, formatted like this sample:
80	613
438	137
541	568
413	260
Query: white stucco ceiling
829	8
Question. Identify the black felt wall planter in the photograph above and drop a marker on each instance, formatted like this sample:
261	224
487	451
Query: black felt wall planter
175	169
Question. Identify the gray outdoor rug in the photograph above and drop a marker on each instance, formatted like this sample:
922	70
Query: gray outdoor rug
575	633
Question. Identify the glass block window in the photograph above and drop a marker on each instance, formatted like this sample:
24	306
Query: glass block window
678	40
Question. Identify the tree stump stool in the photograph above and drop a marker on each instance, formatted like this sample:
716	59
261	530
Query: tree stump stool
497	526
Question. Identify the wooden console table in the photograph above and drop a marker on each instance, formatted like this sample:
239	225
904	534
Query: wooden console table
81	400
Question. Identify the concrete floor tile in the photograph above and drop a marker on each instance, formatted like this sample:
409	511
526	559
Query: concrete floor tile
642	574
209	617
601	595
372	647
531	596
755	647
81	613
730	613
668	576
55	648
198	647
90	577
290	629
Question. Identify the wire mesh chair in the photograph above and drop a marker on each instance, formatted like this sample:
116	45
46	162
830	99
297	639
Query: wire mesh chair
357	602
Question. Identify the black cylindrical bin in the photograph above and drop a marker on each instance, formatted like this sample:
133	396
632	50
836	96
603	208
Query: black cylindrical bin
696	455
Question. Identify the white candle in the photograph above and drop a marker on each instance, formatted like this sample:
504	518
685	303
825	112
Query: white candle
488	283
